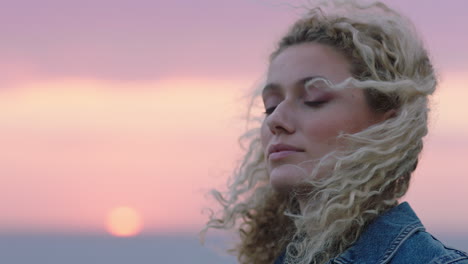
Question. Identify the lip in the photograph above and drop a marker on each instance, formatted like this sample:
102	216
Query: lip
279	151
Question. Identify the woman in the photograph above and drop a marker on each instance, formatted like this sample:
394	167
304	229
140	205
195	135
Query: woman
345	113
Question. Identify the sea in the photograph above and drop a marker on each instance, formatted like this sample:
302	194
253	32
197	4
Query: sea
143	249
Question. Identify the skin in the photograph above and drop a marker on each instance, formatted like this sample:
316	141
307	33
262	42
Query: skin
308	119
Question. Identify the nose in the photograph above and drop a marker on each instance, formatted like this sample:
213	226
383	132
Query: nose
281	120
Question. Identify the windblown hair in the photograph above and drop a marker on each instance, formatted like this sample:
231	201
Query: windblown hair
368	177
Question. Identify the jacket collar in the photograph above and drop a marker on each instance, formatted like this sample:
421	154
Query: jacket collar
380	241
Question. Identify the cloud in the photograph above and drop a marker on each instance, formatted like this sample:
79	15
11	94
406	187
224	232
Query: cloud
138	40
152	40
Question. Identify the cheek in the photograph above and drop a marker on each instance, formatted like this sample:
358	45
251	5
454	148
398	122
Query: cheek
323	131
349	115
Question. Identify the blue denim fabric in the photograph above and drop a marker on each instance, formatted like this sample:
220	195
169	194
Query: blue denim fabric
397	237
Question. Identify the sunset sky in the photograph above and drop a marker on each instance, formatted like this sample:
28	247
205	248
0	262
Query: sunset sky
140	103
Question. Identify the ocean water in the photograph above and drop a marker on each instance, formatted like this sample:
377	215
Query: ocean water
76	249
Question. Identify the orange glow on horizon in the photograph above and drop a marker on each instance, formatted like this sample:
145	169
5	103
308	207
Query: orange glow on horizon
76	136
124	222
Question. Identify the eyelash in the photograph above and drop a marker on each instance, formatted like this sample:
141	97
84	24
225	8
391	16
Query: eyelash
314	103
270	110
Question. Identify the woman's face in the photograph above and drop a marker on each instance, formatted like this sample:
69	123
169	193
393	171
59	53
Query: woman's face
302	124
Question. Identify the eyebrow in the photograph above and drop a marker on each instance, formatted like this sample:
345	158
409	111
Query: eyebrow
275	86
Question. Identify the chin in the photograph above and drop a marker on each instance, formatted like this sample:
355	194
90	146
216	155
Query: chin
284	178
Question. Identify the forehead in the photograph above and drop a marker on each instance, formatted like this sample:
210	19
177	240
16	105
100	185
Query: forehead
304	60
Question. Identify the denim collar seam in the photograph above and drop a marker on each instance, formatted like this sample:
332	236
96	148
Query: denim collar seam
398	241
450	258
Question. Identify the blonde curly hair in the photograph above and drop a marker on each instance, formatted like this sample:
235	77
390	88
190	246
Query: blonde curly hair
391	65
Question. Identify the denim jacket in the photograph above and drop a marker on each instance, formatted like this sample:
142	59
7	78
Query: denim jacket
397	237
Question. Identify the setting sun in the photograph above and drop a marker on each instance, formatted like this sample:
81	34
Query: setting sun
123	222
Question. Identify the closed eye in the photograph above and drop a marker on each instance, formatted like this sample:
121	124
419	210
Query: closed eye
314	103
270	110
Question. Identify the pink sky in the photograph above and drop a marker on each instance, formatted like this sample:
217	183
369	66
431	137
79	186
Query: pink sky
110	103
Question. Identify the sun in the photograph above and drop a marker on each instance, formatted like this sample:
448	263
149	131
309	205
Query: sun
124	221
